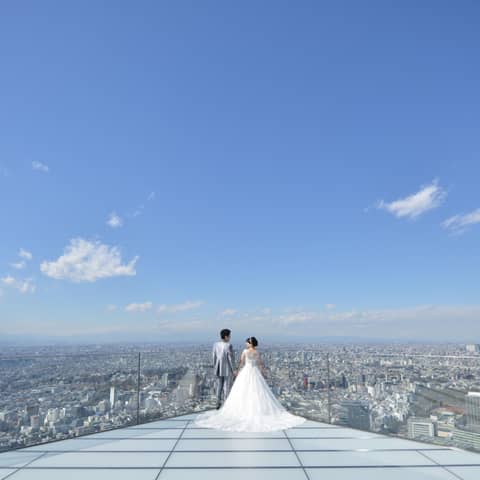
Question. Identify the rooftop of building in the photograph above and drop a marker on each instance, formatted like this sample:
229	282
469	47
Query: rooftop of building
174	449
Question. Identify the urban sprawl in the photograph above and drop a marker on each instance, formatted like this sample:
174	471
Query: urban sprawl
427	392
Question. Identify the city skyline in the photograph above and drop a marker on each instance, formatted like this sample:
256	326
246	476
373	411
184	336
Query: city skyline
288	173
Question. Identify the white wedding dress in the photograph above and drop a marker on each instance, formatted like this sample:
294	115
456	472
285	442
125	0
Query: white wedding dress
250	406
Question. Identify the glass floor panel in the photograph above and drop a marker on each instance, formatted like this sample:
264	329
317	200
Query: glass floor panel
90	474
430	473
4	472
233	474
174	449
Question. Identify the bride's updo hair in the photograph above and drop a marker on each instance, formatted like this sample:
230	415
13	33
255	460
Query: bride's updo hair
252	341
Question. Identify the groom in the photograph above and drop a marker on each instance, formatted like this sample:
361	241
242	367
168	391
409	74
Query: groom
223	360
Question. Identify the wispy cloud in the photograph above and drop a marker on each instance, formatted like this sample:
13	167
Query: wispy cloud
330	306
421	321
40	166
140	208
19	265
460	223
228	312
23	286
111	307
427	198
88	261
179	307
25	254
139	307
114	220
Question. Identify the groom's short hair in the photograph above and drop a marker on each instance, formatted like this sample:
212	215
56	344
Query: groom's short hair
225	333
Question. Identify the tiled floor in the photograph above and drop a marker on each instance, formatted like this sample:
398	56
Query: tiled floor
175	450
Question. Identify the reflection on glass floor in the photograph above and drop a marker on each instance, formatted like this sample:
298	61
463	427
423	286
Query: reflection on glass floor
174	449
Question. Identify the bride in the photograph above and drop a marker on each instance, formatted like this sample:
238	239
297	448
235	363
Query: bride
251	405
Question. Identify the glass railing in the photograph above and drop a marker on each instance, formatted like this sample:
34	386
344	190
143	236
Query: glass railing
428	397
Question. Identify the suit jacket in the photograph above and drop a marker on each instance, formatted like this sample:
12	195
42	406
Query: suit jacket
223	359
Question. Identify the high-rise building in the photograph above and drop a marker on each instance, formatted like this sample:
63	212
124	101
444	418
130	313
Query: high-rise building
32	410
113	396
472	401
52	415
35	421
355	413
473	348
421	427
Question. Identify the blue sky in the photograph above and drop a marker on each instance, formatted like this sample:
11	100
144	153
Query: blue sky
284	169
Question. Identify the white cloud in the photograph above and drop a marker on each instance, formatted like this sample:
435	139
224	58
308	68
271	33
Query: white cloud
114	220
23	286
88	261
40	166
179	307
25	254
427	198
8	280
330	306
228	312
139	307
27	286
111	307
459	223
19	265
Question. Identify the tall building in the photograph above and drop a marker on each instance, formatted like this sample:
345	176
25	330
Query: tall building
32	410
473	348
472	401
35	421
113	396
355	413
421	427
187	387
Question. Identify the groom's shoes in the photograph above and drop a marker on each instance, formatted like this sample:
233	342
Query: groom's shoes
218	405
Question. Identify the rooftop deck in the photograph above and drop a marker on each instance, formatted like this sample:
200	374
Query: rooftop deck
174	449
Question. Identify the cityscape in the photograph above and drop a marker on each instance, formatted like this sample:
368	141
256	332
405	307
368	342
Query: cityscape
429	393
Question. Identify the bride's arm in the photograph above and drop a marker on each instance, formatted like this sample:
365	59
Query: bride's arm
241	363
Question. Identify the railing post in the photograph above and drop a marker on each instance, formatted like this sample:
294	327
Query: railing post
329	399
138	390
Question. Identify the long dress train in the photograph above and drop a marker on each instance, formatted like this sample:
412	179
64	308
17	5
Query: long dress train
250	406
